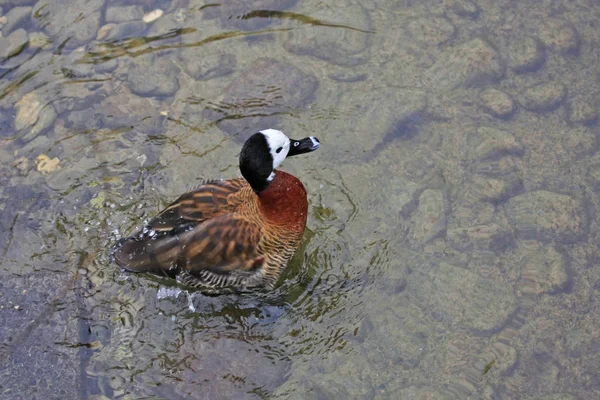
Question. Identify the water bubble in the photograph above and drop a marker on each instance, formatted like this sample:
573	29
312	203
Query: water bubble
167	292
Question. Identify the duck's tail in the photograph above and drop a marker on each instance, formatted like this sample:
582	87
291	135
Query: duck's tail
148	254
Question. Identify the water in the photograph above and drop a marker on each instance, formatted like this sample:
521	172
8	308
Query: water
452	242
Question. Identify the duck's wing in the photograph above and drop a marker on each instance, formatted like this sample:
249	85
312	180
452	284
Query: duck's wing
227	243
207	201
221	245
188	233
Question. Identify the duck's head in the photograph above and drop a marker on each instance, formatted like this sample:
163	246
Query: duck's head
265	150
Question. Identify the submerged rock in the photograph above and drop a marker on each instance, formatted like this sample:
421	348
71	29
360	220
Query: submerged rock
547	216
470	300
46	165
373	117
526	54
342	36
33	115
73	23
556	396
28	110
421	168
497	103
125	30
346	75
153	76
544	97
104	31
6	130
15	17
432	31
206	63
464	8
503	356
580	141
119	14
429	220
496	178
559	35
593	173
487	238
121	109
152	15
581	111
46	119
38	40
383	331
265	368
495	190
497	168
265	89
35	360
471	213
470	64
13	44
544	270
492	143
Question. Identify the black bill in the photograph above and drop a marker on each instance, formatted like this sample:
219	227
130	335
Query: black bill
302	146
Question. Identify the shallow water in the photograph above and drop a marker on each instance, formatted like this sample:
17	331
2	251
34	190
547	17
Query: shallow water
452	244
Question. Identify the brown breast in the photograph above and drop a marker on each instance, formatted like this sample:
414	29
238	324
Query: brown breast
284	202
283	206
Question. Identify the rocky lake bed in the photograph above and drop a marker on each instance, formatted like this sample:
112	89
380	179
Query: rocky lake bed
452	248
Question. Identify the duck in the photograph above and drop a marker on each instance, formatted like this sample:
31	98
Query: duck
234	235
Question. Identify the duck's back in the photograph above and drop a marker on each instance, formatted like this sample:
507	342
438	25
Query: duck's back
222	234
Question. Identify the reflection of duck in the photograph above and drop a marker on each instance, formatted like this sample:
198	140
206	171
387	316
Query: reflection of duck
229	235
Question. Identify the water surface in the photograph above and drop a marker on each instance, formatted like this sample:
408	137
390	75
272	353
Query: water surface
452	243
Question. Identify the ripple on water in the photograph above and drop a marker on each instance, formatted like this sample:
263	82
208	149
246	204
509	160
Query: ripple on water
472	63
265	89
55	18
341	36
31	318
353	316
430	218
470	299
249	16
547	216
544	270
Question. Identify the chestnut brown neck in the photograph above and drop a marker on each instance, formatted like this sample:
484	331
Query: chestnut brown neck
284	201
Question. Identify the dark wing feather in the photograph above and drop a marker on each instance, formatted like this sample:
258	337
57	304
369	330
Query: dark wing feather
227	243
224	244
161	245
206	201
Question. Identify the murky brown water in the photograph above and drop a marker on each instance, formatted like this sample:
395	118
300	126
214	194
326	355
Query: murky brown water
452	244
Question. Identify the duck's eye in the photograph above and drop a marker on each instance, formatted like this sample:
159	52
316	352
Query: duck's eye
279	150
296	144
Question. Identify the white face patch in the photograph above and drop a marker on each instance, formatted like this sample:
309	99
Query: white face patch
279	145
